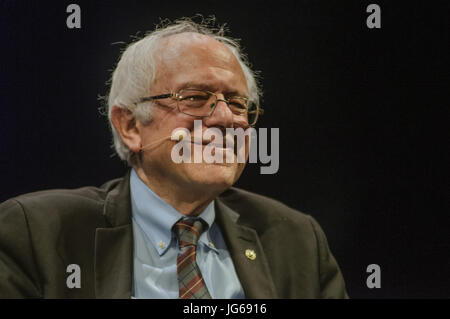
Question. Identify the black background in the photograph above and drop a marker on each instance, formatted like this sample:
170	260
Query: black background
363	117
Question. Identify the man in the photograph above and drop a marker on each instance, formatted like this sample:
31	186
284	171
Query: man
168	230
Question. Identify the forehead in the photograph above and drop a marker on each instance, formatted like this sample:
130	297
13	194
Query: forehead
195	58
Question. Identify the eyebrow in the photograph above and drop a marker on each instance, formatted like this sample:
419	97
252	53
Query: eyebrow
207	87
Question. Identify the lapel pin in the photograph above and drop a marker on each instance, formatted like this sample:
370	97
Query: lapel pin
250	254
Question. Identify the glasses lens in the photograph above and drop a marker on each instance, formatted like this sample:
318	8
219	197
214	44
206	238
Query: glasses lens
253	114
201	103
238	105
196	102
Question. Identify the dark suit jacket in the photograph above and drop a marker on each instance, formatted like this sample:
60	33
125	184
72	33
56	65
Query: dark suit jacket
42	233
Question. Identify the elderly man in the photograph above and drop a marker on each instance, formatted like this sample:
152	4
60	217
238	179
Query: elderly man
167	229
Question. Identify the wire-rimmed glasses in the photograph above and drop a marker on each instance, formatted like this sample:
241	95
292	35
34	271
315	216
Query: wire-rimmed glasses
202	103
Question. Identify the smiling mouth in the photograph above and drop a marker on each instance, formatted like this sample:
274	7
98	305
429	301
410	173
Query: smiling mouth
218	147
222	146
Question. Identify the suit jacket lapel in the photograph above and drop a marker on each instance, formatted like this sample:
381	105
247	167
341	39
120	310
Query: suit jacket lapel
254	275
114	249
114	245
113	253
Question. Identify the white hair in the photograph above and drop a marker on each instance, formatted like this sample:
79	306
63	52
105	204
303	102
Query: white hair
136	71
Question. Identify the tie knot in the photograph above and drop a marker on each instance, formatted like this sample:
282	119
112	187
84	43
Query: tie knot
188	231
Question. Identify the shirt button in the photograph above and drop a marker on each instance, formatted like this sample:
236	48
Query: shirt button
211	244
161	245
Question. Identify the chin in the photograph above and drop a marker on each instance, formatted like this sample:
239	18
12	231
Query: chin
216	177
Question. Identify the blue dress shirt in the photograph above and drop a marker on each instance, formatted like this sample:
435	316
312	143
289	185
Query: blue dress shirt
156	249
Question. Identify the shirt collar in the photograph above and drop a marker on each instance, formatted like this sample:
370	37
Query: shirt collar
156	217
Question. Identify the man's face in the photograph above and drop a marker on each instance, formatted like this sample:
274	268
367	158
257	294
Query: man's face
192	61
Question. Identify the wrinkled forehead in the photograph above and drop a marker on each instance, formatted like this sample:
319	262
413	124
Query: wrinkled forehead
196	50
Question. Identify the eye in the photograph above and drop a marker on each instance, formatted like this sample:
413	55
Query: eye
238	104
195	98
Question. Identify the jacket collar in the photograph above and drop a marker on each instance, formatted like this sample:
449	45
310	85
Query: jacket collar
114	245
114	248
246	251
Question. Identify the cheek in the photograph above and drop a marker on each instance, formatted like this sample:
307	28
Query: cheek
163	124
239	170
174	120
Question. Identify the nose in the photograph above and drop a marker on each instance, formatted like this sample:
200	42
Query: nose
221	116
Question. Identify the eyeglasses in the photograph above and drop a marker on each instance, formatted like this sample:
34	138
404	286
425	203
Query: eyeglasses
201	103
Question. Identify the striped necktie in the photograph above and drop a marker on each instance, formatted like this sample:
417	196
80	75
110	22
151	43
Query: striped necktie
190	280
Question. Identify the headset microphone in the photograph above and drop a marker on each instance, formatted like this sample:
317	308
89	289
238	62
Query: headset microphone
178	135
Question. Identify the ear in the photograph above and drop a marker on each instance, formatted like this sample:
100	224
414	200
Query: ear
125	124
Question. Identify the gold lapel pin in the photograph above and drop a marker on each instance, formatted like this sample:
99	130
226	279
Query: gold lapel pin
250	254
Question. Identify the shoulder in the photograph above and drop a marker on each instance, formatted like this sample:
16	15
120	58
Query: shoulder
47	203
262	210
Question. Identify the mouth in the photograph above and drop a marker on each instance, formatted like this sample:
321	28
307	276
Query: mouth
217	142
227	154
217	146
225	143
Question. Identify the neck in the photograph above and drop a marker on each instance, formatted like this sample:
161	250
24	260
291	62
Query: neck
189	203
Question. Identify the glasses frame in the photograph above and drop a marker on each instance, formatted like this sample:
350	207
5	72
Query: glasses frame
178	96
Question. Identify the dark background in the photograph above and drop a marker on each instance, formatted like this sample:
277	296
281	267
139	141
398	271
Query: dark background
363	117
